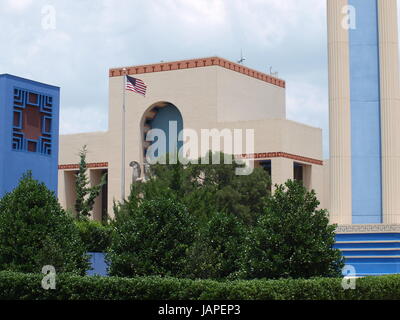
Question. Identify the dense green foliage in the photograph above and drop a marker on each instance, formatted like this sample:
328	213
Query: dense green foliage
207	188
70	287
35	231
95	235
85	195
153	240
194	221
239	231
292	239
216	252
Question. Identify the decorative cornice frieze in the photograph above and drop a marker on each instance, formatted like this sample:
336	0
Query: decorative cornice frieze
266	155
368	228
89	165
197	63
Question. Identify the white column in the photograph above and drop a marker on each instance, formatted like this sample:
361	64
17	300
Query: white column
390	110
340	206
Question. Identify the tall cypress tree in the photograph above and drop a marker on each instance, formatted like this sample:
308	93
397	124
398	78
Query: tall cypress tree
85	195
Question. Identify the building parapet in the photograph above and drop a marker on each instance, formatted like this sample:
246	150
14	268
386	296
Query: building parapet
197	63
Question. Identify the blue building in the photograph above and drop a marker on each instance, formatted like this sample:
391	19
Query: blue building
29	130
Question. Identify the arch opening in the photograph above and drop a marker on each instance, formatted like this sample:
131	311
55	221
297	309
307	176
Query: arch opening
164	117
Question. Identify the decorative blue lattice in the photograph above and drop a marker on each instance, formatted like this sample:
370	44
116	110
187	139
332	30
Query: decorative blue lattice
32	122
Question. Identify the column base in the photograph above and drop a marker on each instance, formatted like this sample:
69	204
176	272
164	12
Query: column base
371	249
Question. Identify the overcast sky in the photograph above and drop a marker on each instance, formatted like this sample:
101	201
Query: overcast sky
92	36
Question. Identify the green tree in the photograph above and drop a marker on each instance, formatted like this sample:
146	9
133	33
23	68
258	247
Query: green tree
153	239
35	231
85	195
292	239
95	235
217	249
207	188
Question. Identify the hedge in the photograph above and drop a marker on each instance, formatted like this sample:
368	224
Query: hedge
15	286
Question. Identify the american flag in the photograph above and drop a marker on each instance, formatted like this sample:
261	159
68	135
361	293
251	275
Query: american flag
135	85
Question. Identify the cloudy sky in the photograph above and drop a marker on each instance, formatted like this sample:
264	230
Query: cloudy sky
91	36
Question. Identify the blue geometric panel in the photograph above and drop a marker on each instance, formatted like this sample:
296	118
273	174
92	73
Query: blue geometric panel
29	126
32	122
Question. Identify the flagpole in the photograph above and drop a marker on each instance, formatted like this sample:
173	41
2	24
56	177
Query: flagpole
123	141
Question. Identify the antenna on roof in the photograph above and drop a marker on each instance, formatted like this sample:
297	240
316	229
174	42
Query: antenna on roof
242	59
274	74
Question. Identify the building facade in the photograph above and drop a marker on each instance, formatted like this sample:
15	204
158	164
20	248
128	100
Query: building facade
28	132
208	93
360	182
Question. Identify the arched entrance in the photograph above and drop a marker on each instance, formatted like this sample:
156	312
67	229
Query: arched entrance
166	117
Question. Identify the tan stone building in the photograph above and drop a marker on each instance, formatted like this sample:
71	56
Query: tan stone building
208	93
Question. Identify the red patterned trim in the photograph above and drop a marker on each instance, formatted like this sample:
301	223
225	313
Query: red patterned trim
89	165
197	63
280	155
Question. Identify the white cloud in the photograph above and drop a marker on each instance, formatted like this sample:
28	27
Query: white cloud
200	12
18	5
90	38
71	120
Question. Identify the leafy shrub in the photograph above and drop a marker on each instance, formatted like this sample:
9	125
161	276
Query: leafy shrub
217	249
95	235
206	188
153	239
254	235
292	239
35	231
15	286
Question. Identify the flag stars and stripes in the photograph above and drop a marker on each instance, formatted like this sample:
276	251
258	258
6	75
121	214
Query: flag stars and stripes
135	85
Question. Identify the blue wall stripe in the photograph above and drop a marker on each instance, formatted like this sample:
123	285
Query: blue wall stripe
365	114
